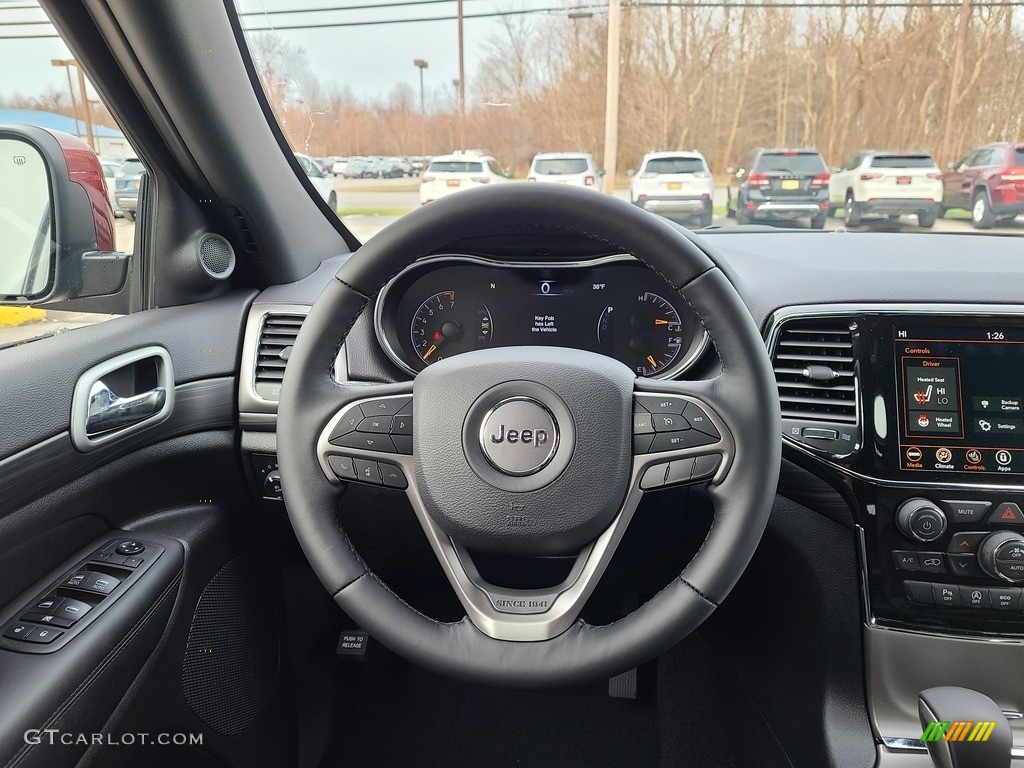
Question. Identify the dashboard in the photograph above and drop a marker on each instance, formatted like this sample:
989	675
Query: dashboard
612	305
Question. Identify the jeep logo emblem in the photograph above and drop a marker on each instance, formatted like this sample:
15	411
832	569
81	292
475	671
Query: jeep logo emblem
519	436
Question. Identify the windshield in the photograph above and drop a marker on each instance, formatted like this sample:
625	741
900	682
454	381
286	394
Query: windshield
674	165
790	162
902	161
728	80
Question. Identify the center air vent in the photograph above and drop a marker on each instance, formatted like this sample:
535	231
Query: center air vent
815	372
277	335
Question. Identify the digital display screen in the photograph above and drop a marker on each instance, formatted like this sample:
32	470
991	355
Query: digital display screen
961	394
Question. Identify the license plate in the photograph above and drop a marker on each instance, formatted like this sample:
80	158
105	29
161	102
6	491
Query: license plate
790	184
902	179
453	182
675	185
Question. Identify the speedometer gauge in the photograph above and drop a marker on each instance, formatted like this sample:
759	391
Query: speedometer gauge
653	329
443	327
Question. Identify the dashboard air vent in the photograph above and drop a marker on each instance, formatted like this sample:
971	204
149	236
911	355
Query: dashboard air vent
277	335
814	370
240	223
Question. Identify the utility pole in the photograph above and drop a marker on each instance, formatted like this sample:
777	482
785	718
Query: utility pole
611	102
86	109
421	64
954	79
66	63
462	83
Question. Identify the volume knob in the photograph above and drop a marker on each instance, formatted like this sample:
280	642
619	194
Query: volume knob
921	520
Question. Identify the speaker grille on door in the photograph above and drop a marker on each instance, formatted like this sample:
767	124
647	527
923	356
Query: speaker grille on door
231	654
216	256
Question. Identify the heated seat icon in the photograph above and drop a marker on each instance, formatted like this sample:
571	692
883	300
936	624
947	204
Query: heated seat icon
924	397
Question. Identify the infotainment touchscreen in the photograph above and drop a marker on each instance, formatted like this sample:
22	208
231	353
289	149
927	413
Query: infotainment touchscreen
961	395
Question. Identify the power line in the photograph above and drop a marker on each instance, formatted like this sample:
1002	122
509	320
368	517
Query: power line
371	6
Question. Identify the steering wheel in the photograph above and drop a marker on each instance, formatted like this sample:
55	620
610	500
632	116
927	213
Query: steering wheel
530	451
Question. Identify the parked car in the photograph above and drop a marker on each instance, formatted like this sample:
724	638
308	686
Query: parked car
127	180
988	182
575	168
338	166
675	185
319	179
450	173
780	185
359	168
878	183
109	172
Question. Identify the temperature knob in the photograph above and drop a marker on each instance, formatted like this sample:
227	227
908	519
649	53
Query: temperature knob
920	519
1002	555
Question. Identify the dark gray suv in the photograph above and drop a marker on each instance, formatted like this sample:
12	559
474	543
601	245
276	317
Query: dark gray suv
780	185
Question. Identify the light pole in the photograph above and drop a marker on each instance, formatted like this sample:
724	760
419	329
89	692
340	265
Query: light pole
66	63
421	64
462	84
611	109
83	95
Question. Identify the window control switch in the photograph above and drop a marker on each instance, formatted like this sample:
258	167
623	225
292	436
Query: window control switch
48	619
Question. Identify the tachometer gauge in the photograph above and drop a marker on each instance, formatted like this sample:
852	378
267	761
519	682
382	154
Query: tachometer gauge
648	333
442	327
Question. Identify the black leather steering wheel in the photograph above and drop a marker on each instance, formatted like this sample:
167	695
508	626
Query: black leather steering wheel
531	451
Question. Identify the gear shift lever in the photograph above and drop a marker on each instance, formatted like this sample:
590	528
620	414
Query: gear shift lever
963	718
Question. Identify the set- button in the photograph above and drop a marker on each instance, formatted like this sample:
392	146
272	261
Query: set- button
381	424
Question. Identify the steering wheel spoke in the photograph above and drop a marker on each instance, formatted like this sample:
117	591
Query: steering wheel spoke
369	439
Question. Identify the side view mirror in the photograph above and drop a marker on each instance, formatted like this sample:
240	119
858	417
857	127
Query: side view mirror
631	172
507	174
950	166
57	228
601	171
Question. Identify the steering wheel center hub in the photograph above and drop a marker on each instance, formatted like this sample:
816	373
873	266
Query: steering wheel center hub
519	436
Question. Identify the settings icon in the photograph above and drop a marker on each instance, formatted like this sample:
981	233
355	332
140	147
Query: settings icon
986	426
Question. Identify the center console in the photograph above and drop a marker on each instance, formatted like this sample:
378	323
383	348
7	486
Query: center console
919	413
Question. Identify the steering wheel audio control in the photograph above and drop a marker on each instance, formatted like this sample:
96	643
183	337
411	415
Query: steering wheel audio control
920	519
1001	555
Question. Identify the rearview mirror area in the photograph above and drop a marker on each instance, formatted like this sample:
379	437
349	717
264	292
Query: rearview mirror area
55	220
27	227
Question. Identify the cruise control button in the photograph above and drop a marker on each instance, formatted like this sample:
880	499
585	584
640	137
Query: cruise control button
679	471
919	592
661	404
18	631
101	584
388	407
978	597
674	441
966	543
642	424
966	511
964	565
931	562
377	424
347	424
654	477
367	442
699	420
393	476
403	444
906	560
1008	514
668	422
946	594
343	467
367	471
706	466
43	635
402	425
1005	598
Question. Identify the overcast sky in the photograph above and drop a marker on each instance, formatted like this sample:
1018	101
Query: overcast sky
370	59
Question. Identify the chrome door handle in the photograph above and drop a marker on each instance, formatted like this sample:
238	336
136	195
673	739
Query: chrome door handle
107	411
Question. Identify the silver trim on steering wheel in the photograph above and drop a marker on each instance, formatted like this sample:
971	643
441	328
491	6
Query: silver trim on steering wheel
528	615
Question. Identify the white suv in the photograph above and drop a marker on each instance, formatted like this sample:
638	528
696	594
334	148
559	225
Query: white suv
575	168
675	185
887	184
451	173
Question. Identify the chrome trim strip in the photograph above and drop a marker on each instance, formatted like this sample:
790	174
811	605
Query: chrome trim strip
782	206
256	411
566	606
397	359
906	744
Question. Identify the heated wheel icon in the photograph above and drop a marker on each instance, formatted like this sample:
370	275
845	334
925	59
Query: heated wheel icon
923	420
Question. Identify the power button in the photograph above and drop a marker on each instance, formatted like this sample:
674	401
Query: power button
920	519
